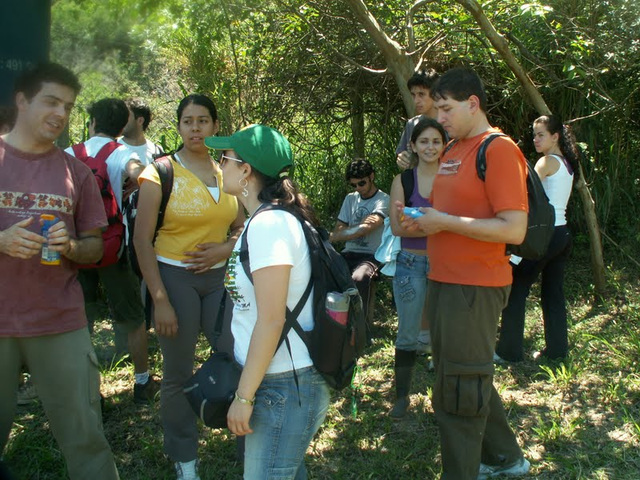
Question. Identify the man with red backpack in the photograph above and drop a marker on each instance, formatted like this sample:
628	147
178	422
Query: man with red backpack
112	164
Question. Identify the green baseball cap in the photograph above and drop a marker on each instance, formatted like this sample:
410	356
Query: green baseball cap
262	147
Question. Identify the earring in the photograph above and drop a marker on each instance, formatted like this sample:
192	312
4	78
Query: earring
245	192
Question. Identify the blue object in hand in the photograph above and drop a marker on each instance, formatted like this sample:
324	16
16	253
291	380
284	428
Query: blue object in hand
412	212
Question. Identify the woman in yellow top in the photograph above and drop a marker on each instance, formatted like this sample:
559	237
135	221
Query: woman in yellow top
184	267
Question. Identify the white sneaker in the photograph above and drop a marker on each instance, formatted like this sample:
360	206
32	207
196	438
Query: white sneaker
27	392
497	359
187	470
521	467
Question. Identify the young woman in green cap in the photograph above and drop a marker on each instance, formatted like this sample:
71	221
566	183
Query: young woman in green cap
281	400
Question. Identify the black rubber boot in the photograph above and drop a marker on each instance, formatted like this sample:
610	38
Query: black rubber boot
405	361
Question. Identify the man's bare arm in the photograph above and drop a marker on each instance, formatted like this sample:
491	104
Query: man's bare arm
508	226
343	232
87	248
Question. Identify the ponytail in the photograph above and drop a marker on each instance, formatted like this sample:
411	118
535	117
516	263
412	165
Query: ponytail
569	149
566	141
284	191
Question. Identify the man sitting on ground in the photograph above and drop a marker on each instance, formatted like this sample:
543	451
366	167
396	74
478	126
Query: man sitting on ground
359	225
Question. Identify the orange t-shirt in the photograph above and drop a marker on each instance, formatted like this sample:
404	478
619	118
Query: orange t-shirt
457	190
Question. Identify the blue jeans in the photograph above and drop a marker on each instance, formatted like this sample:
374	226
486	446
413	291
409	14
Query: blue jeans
283	422
410	291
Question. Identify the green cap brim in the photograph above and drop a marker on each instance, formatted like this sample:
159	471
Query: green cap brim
219	143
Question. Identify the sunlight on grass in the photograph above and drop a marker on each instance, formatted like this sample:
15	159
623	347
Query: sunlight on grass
575	419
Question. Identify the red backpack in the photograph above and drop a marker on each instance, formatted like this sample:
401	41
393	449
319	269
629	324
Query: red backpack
113	236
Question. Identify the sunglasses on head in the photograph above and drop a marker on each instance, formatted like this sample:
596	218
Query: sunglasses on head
361	183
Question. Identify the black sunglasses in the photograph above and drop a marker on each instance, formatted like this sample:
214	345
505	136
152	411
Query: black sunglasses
361	183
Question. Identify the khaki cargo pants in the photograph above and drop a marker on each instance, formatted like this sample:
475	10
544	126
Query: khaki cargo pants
64	369
471	419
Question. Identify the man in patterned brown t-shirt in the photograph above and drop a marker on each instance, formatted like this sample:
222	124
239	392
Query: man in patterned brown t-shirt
42	320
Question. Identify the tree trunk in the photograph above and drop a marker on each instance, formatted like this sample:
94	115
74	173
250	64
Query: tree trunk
595	240
500	44
357	123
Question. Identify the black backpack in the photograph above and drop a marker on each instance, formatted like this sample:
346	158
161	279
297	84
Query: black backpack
541	216
165	172
333	347
408	184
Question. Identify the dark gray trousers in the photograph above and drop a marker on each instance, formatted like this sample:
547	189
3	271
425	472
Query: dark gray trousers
195	299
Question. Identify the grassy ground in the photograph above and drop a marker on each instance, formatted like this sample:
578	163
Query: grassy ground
579	419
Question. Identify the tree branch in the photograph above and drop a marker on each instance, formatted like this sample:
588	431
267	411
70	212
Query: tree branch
524	51
235	62
399	63
500	44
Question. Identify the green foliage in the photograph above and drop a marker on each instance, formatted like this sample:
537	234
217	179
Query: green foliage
311	70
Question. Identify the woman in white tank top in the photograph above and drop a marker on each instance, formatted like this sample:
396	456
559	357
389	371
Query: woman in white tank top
558	171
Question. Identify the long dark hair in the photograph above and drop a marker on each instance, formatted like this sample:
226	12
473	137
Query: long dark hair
284	191
421	126
566	141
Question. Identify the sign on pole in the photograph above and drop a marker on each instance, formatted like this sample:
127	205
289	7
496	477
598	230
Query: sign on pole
24	40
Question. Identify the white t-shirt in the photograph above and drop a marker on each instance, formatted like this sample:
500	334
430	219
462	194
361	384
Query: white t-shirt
116	163
275	238
145	152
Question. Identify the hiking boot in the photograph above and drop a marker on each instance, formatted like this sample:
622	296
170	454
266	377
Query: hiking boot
498	360
404	363
145	393
517	469
187	470
400	408
27	392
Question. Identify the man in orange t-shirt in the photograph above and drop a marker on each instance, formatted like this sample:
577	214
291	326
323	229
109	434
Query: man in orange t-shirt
469	281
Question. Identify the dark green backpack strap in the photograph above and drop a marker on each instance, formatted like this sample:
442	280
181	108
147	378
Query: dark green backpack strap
449	146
